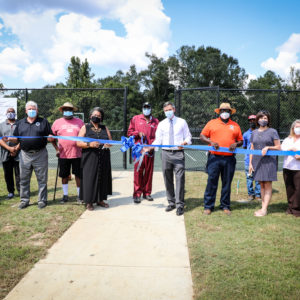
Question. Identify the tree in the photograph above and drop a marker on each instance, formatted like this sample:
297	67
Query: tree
80	75
156	82
205	67
268	81
294	79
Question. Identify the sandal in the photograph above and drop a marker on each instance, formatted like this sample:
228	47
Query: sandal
102	204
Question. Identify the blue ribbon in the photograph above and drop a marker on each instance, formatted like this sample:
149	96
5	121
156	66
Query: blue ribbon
136	148
127	143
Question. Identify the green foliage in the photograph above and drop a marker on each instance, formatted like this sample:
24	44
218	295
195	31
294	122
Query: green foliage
268	81
206	67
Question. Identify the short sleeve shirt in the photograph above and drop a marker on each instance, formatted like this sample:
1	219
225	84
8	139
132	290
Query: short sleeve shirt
39	128
7	129
247	144
65	127
222	133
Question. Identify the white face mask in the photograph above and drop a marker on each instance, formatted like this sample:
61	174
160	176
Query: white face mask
225	115
146	111
297	130
169	114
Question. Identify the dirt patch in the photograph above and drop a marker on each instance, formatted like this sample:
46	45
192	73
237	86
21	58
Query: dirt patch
8	228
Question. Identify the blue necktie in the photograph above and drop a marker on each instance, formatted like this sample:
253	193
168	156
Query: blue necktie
171	133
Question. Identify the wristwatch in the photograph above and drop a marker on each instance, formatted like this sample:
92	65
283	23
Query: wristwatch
88	144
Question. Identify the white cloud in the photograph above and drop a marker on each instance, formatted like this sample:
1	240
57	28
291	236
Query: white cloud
287	57
49	43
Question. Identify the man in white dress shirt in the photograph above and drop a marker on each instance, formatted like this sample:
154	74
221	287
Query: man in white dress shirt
173	131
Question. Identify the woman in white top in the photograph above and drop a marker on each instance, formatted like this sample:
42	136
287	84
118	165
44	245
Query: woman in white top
291	169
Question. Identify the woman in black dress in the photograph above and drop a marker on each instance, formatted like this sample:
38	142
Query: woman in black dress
264	166
96	182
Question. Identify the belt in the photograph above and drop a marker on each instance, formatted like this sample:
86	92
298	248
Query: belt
172	151
33	151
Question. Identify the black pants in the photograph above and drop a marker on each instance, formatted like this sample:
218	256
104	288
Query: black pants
9	167
219	165
292	185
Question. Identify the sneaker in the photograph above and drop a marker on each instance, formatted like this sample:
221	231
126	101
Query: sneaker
170	207
79	201
258	198
148	197
42	205
64	199
137	199
23	205
10	196
251	197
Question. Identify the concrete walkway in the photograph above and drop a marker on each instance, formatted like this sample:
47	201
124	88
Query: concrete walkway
127	251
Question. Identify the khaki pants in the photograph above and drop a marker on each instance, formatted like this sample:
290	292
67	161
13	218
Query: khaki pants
39	163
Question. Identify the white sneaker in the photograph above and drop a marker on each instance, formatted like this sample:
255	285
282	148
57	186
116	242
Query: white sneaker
10	195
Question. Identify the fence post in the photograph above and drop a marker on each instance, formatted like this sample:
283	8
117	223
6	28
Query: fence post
278	111
179	102
218	95
26	95
125	125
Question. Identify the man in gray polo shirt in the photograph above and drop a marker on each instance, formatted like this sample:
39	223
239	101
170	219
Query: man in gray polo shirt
9	153
34	155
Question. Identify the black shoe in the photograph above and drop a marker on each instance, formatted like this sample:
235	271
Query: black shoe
23	205
170	207
137	199
42	205
148	197
64	199
179	211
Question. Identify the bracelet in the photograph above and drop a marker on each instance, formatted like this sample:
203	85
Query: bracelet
88	144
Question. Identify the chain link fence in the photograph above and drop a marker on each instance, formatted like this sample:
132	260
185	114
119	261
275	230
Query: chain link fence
197	107
112	100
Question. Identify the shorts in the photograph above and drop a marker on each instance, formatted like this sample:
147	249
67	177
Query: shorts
65	167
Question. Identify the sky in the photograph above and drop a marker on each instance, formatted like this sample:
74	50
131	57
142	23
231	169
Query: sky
38	37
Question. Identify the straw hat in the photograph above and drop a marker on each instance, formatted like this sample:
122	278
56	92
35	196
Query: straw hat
225	106
68	105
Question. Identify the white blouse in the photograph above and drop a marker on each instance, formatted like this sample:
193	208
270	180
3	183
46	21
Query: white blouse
290	162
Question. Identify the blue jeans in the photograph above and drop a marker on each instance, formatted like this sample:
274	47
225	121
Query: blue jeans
252	192
219	165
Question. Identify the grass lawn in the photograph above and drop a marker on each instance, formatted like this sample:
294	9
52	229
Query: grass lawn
25	235
242	256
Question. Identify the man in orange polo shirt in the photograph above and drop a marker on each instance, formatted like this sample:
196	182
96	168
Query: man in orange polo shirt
221	132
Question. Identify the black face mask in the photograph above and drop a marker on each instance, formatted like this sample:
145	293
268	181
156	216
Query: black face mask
95	119
252	125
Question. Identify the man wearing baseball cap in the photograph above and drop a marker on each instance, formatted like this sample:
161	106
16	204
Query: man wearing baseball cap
143	126
252	193
221	132
69	155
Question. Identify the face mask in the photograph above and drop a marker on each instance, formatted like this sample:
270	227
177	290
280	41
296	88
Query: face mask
11	116
297	130
169	114
263	123
146	111
95	119
252	125
68	113
31	113
225	115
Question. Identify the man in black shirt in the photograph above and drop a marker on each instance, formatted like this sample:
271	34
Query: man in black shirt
33	155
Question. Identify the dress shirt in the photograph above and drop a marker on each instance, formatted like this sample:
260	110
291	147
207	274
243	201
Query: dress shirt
181	133
290	162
